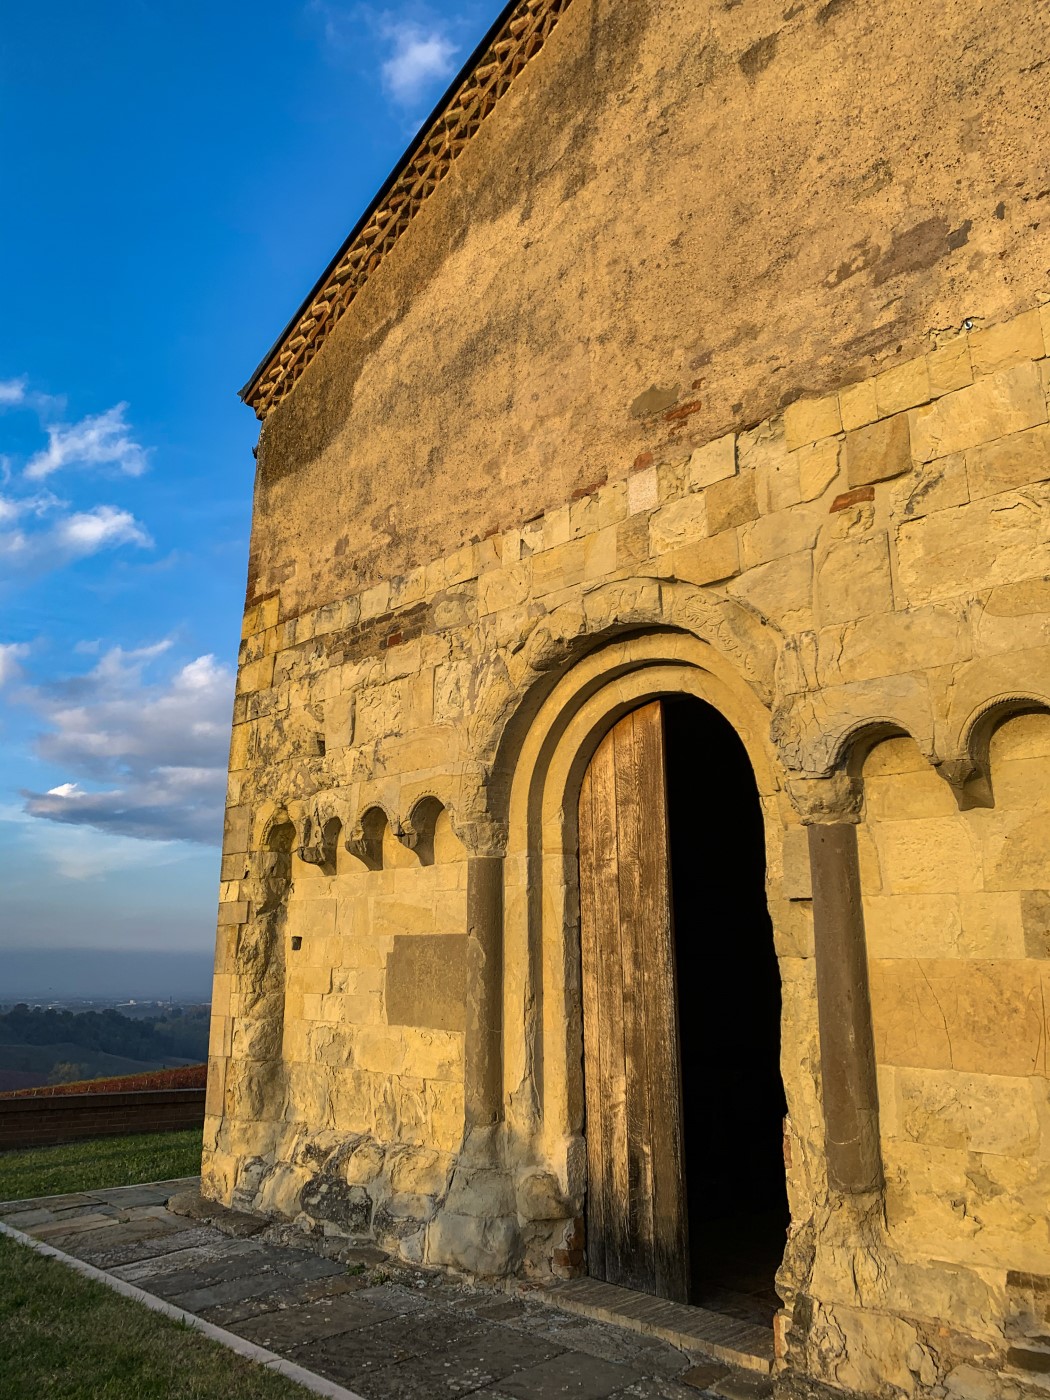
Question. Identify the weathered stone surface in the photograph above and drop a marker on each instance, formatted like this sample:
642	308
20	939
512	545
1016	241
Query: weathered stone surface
708	561
713	462
456	585
976	1015
818	468
1002	538
807	420
857	405
1009	462
991	408
878	452
1020	338
853	580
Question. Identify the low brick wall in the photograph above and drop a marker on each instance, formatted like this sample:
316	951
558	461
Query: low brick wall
34	1122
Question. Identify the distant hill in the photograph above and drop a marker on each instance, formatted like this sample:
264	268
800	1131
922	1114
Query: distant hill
38	1045
34	1064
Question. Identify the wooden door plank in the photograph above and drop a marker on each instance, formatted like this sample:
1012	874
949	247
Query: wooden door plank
636	1218
596	1230
671	1244
633	783
608	969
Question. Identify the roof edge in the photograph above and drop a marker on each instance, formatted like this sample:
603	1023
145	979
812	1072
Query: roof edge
515	37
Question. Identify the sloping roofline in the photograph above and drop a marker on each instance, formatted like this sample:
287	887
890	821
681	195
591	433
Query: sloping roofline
516	36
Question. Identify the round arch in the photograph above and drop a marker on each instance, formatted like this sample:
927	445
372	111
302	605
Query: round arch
541	1011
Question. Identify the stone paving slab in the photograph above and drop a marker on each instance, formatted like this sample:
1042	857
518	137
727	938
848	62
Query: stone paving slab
289	1328
109	1255
386	1331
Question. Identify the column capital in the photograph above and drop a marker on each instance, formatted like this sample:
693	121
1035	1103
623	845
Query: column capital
826	801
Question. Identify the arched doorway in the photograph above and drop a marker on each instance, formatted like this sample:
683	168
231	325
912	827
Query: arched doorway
681	1011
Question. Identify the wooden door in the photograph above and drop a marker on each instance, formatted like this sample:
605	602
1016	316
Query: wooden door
637	1232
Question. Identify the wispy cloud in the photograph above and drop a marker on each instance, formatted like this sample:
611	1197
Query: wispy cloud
100	439
87	531
15	507
421	58
11	653
38	530
13	392
144	757
67	538
418	53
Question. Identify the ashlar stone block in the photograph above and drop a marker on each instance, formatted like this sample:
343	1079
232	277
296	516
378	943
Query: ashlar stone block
976	1112
818	467
643	491
912	925
904	386
713	462
1017	848
730	503
878	452
928	856
709	560
782	589
985	1016
949	366
893	643
678	523
1011	462
1035	922
853	579
936	485
992	407
857	404
1014	616
808	420
996	347
1001	538
783	532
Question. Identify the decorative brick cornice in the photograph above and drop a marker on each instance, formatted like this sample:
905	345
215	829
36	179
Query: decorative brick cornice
515	40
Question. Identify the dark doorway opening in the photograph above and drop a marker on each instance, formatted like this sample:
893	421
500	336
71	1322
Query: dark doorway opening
729	1003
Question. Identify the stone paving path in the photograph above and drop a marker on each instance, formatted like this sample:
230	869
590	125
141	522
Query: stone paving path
380	1329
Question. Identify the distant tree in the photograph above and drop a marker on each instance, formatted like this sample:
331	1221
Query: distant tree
182	1036
66	1073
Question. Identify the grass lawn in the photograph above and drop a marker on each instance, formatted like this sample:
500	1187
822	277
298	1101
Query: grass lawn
95	1163
68	1338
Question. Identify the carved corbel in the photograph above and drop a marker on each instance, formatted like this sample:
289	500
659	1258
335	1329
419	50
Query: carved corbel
417	830
826	801
365	839
319	840
970	780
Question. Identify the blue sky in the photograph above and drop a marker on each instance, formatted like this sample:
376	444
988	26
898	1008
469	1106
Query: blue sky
173	180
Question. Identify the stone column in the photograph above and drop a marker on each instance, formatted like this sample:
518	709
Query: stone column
831	809
483	1086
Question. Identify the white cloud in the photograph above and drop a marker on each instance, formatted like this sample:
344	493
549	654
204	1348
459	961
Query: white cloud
14	507
13	392
10	655
100	439
419	53
87	531
144	758
69	537
421	57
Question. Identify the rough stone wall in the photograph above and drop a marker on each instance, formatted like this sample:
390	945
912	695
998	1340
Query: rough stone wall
870	563
734	376
682	214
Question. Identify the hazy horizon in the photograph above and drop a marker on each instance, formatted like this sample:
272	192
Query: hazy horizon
47	974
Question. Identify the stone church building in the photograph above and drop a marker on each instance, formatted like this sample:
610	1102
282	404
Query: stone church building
637	850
